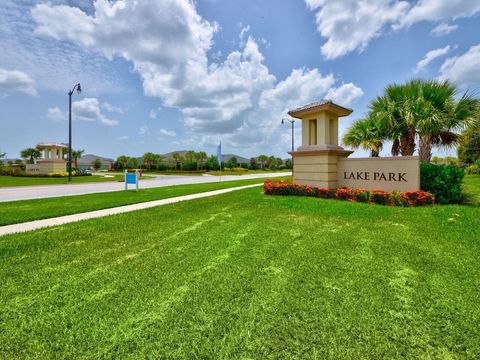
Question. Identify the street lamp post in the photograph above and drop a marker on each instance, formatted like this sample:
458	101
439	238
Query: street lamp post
292	122
70	93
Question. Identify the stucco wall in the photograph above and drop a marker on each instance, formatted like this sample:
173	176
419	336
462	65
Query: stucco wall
400	173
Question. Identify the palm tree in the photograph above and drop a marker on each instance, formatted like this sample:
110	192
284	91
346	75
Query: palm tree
123	161
367	134
76	154
190	155
200	158
31	154
441	116
263	160
423	110
178	159
150	159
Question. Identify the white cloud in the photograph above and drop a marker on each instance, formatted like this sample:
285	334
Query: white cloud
123	138
434	10
345	94
88	109
238	99
143	130
430	56
112	108
16	81
443	29
464	69
55	114
153	114
167	132
350	25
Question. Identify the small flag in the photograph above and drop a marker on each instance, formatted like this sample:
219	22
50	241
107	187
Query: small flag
219	154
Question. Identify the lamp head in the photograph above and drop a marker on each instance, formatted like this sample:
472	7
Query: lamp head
79	88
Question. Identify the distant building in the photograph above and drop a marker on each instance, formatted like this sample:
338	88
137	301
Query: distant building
85	162
51	160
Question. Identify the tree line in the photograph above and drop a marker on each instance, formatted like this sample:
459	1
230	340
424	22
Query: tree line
196	161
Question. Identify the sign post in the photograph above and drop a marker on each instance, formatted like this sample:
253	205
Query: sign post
131	178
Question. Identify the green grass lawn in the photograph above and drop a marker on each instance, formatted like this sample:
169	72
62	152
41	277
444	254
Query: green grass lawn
27	210
244	275
8	181
472	187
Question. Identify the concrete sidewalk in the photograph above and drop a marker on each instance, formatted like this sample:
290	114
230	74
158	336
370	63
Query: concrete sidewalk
48	191
38	224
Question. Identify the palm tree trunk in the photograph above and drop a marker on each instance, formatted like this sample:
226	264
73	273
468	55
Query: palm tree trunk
374	153
407	142
425	149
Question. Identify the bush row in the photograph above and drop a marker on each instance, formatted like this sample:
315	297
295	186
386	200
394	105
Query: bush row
396	198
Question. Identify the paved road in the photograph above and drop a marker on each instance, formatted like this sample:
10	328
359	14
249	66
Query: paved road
47	191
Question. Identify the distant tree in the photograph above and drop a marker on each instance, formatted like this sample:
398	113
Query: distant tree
253	164
469	150
178	158
122	161
2	155
200	158
18	162
30	154
76	154
97	164
232	162
288	164
272	162
436	159
133	163
263	160
212	163
150	159
190	156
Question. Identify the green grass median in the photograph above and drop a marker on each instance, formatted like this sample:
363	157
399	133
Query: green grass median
27	210
245	275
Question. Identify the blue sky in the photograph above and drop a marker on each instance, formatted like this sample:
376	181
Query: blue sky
163	75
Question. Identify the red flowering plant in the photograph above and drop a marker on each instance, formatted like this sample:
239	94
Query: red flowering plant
396	198
418	198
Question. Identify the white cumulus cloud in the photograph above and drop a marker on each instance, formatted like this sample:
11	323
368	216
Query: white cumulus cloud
430	56
16	81
167	132
443	29
464	69
350	25
238	99
88	109
56	114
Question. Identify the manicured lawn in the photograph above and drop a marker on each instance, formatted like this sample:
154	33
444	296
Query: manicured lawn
472	187
244	275
27	210
7	181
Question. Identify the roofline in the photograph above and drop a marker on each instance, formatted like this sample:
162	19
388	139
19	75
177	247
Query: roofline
329	106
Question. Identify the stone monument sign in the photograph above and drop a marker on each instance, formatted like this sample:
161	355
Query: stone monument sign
321	162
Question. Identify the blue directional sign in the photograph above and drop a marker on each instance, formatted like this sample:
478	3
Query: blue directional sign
131	178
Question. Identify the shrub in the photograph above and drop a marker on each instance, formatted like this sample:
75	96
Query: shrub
443	181
473	169
380	197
